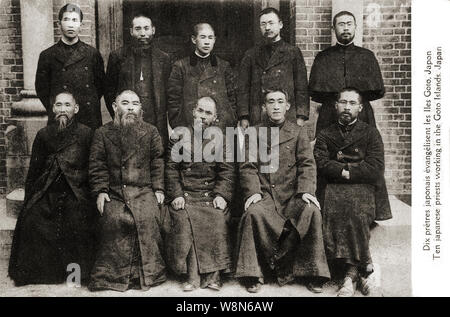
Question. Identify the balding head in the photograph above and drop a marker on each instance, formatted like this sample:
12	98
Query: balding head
205	111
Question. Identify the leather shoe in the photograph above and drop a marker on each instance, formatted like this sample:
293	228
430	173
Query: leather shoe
314	287
254	288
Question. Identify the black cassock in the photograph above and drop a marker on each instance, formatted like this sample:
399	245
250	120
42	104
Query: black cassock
57	223
339	67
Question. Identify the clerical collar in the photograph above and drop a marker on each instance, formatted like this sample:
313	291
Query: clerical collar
344	45
70	44
200	56
347	127
273	44
274	124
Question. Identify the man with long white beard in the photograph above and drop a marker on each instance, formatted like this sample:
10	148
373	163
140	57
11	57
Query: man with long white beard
126	174
55	226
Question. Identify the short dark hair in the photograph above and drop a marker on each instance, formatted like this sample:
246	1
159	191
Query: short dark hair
70	7
62	92
342	13
360	96
270	90
140	15
198	27
270	10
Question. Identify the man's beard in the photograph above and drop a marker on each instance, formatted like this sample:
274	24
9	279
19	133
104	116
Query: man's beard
141	42
127	120
63	121
346	118
346	40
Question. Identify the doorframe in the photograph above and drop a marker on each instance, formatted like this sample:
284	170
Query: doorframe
109	22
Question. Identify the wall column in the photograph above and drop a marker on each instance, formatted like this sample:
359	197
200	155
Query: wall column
27	115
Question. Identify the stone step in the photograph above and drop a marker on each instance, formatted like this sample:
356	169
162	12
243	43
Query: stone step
14	202
7	226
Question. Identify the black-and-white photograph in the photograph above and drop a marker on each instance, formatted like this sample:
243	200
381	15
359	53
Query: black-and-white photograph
205	148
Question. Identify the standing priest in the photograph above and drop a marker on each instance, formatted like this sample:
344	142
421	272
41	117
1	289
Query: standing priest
347	65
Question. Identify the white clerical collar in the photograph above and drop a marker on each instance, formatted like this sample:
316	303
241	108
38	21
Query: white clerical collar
344	44
351	123
201	55
69	43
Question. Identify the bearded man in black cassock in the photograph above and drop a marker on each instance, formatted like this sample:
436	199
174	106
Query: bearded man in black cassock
55	226
347	65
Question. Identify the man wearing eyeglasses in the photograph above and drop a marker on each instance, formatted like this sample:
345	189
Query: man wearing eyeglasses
347	65
344	65
272	64
350	160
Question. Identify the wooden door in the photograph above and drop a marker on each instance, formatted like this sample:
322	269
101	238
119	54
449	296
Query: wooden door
233	21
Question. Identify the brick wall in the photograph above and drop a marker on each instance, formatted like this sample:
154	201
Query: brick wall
11	69
11	72
390	40
388	35
310	22
88	28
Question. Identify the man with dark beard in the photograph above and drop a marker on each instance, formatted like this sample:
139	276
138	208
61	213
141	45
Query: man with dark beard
143	68
198	243
347	65
350	158
126	174
55	226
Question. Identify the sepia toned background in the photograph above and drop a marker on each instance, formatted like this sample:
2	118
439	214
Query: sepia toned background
27	27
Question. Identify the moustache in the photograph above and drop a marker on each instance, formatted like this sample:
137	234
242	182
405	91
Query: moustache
59	115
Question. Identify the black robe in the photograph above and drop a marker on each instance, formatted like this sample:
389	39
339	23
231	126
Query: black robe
348	206
339	67
56	225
